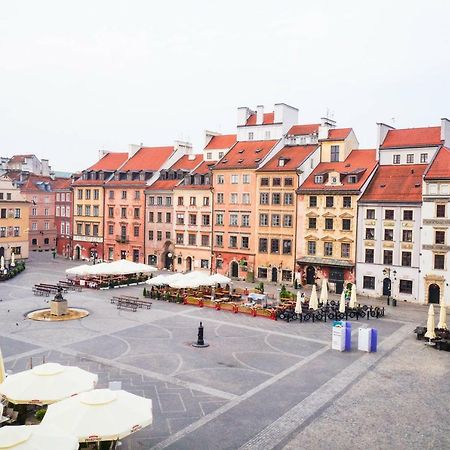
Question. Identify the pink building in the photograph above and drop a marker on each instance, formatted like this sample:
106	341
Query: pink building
63	215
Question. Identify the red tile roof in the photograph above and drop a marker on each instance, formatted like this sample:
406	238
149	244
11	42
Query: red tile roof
338	134
358	162
293	155
399	183
187	162
62	183
268	119
302	130
222	141
440	166
204	168
34	181
19	158
412	137
245	155
111	161
81	182
148	158
164	185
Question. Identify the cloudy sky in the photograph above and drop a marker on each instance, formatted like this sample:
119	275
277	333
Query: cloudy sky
80	76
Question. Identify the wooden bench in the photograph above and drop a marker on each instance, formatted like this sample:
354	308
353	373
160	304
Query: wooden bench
37	290
121	304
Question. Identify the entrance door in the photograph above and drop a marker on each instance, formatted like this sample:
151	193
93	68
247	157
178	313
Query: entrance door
188	264
310	275
168	261
386	286
434	293
2	251
123	254
135	255
152	260
274	274
77	252
337	277
234	269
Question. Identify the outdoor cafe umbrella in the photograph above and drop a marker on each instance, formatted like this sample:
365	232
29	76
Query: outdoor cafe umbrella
217	278
342	303
47	383
430	334
35	437
442	324
100	415
313	302
352	302
324	291
2	263
159	280
298	303
13	259
83	269
2	368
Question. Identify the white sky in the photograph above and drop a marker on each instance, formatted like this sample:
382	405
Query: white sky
83	75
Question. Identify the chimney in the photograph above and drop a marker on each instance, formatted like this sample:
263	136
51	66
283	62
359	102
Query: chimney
133	149
445	132
259	114
325	125
243	113
382	131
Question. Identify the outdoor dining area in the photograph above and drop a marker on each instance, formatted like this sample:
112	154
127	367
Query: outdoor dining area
57	407
436	336
110	275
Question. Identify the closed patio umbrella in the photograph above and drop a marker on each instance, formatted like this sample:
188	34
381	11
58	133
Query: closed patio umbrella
2	368
352	302
298	303
47	383
13	259
342	303
313	302
100	415
35	437
324	291
442	324
2	263
430	334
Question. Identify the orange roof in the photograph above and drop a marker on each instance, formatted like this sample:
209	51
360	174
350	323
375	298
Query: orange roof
302	130
164	185
20	158
81	182
245	155
412	137
268	119
33	182
187	162
338	134
221	141
62	183
148	158
204	168
293	155
111	161
399	184
440	167
358	162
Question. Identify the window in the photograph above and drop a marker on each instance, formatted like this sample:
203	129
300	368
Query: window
123	213
289	181
388	234
110	229
205	201
439	262
234	199
250	136
180	238
276	198
168	235
192	219
205	240
328	248
312	223
151	200
345	250
439	237
274	246
264	220
219	219
95	211
206	220
318	179
312	201
209	155
168	201
287	220
368	282
287	246
204	263
87	229
407	236
347	202
16	231
16	250
264	198
80	194
245	220
233	220
159	200
220	197
87	210
192	239
34	242
244	242
124	195
275	220
220	179
57	211
408	214
346	224
234	179
410	158
180	219
180	201
246	199
288	199
137	213
311	247
262	245
79	228
17	213
95	230
369	255
96	194
370	233
264	182
334	153
396	159
151	216
389	214
168	217
328	224
246	179
3	213
233	241
262	272
192	201
267	135
387	257
370	214
440	210
406	259
219	240
329	201
424	158
276	181
406	286
33	226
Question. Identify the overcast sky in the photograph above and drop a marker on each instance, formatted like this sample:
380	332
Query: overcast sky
80	76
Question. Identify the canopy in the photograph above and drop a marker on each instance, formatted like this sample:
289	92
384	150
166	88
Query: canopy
313	303
47	383
35	437
430	334
83	269
342	303
352	302
217	278
100	415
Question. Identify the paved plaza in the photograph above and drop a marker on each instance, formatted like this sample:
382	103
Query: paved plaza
261	384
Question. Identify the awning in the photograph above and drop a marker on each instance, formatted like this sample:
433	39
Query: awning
325	262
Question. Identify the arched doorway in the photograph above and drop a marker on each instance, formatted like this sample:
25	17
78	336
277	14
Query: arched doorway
168	260
77	252
386	286
434	293
234	269
188	264
274	274
310	275
2	251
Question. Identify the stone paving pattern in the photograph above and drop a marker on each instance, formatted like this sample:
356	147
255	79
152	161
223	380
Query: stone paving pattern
261	383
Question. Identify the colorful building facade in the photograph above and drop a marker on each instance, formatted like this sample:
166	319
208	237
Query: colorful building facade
63	216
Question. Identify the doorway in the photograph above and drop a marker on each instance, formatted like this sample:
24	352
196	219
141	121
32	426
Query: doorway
234	269
337	277
2	251
310	275
434	293
168	261
136	255
77	252
274	274
386	286
123	254
188	264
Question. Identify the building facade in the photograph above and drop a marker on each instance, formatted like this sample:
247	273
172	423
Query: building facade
63	216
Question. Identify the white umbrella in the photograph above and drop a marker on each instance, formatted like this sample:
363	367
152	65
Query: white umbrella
159	280
430	334
100	415
324	291
47	383
2	368
2	263
298	303
442	324
217	278
352	302
313	302
202	278
342	303
80	270
36	437
145	268
13	259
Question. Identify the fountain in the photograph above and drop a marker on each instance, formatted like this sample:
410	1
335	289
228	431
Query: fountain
58	306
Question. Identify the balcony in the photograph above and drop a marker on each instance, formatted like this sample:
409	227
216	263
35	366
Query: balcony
122	239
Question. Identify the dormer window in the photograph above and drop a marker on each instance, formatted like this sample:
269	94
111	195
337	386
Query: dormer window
242	150
318	179
258	150
281	162
250	136
333	180
352	179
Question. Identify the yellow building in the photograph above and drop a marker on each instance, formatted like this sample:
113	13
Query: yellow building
14	221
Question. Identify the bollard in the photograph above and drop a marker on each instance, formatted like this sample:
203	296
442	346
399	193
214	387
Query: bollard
200	340
394	302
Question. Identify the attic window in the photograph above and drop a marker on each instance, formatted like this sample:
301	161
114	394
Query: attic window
318	179
382	185
352	179
257	160
240	161
417	185
347	165
242	150
224	161
258	150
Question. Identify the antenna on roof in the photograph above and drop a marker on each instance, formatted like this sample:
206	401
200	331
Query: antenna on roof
393	120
